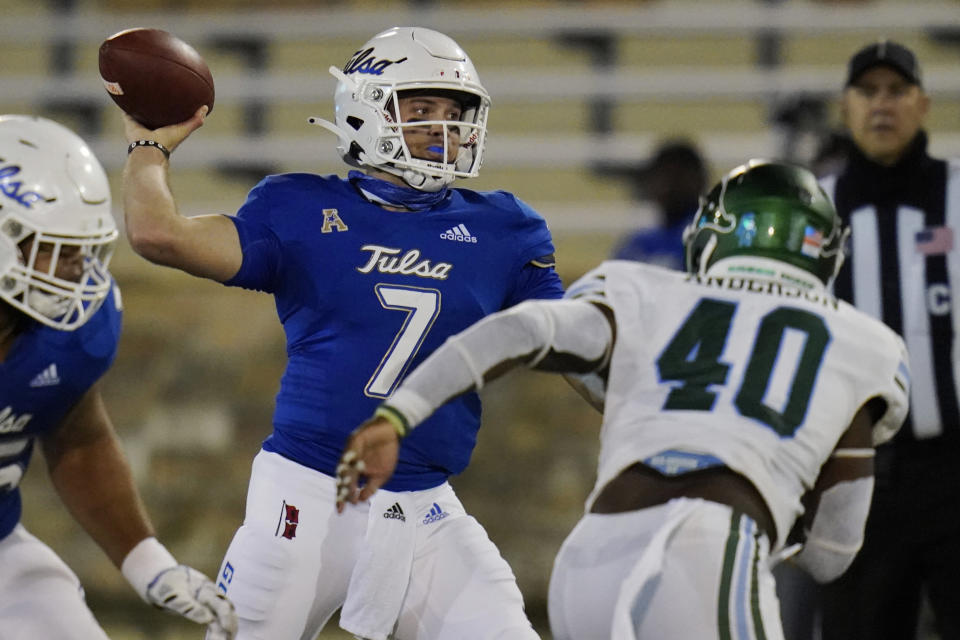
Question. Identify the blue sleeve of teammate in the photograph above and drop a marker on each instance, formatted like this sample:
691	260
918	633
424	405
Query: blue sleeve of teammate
260	246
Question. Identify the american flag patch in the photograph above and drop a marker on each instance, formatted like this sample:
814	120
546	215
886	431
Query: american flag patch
812	241
934	241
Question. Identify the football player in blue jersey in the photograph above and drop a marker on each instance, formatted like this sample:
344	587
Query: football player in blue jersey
370	273
60	317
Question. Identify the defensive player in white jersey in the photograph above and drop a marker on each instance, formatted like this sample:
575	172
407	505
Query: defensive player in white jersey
60	318
739	397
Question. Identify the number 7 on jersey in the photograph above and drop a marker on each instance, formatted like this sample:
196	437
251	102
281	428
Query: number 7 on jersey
421	307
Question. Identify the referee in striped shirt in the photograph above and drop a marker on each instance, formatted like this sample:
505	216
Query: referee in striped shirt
903	208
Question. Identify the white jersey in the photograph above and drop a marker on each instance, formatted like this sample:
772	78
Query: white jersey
759	376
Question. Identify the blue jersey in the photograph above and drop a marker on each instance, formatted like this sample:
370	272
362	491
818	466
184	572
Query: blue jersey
662	246
43	376
365	294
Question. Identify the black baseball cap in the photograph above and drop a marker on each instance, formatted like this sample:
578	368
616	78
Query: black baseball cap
887	53
674	153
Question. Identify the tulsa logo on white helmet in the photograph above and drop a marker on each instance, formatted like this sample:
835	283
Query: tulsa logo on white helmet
366	113
54	200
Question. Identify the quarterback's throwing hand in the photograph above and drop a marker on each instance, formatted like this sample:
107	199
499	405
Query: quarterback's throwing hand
170	136
186	591
371	454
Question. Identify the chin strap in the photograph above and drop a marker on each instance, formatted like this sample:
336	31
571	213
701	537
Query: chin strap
416	179
423	182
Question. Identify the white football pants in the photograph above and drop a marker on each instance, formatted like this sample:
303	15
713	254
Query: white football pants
687	569
289	565
40	597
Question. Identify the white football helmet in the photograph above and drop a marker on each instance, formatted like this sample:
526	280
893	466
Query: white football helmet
367	120
54	196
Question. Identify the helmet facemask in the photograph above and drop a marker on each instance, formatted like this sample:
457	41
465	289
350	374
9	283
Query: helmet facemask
57	301
770	220
389	67
469	136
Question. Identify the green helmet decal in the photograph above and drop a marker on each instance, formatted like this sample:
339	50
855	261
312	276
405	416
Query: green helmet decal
769	210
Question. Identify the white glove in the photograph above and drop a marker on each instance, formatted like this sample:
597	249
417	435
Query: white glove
155	575
186	591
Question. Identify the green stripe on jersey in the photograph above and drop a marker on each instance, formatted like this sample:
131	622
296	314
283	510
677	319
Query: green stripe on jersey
755	591
726	577
726	582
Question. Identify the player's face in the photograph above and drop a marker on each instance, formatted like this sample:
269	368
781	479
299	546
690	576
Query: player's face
883	112
426	142
69	264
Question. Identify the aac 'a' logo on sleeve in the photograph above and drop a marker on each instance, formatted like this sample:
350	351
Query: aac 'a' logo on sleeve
332	221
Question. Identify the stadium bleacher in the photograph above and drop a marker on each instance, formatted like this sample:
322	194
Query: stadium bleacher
573	83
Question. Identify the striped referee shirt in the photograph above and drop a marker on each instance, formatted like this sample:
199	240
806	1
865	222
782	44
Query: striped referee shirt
902	266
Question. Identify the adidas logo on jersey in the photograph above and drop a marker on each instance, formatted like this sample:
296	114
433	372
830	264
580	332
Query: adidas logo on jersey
46	378
435	514
458	233
395	512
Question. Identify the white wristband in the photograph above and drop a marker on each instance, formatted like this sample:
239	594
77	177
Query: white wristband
144	563
411	405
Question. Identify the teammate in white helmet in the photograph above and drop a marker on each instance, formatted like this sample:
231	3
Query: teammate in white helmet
60	318
740	397
370	273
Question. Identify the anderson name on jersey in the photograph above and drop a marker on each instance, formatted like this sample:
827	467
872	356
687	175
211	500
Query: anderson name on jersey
364	293
786	368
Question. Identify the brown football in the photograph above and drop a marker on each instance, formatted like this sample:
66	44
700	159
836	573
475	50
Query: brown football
155	76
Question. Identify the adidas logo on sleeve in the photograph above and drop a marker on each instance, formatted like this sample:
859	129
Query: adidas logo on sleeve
46	378
458	233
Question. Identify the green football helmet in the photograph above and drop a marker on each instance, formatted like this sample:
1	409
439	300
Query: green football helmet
769	220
